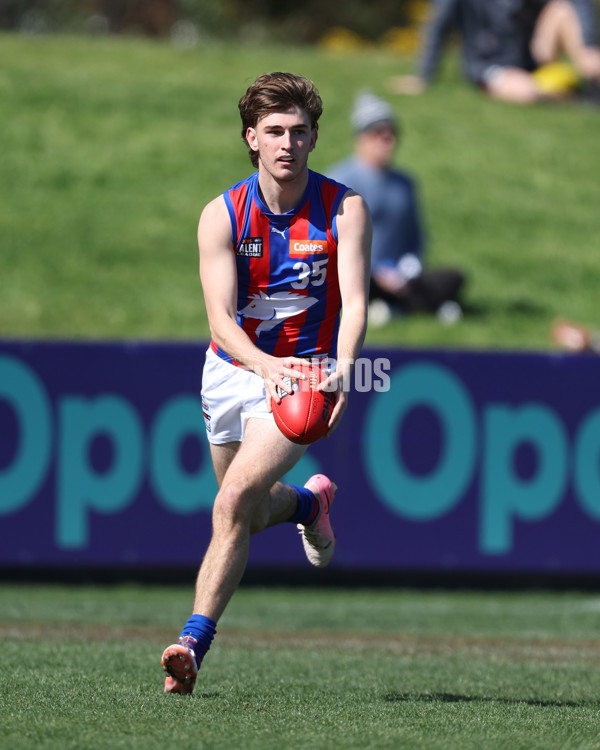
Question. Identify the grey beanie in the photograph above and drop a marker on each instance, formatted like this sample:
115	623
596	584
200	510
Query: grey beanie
369	109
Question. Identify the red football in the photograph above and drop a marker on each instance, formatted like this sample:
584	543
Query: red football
303	415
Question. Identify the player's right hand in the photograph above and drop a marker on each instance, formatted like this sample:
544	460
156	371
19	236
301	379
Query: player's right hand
275	370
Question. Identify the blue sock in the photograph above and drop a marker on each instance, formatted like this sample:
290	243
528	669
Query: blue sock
308	506
198	633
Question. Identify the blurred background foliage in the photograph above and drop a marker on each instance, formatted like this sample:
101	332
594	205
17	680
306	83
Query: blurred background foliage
391	23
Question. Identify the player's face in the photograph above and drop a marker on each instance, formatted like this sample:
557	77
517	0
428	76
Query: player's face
283	141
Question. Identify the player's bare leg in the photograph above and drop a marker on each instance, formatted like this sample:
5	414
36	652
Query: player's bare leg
249	499
221	457
278	510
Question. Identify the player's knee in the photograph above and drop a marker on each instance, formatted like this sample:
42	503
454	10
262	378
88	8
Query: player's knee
232	506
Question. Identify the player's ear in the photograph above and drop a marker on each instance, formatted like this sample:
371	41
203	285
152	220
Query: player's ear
313	139
251	139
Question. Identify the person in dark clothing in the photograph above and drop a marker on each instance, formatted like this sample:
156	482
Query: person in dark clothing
507	43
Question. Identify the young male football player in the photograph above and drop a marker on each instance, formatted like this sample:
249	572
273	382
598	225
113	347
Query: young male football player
281	253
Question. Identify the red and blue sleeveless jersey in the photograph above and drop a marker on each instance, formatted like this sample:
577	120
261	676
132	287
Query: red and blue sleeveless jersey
288	291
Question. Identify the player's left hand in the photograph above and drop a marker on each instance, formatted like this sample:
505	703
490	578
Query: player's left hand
334	384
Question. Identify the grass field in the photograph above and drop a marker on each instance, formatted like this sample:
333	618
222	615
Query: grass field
110	148
302	668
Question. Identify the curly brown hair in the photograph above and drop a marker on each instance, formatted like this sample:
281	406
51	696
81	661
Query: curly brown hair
278	92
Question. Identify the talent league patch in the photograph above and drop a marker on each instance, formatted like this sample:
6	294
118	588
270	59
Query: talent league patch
251	247
302	248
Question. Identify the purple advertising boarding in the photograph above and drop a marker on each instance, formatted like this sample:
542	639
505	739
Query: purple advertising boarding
445	460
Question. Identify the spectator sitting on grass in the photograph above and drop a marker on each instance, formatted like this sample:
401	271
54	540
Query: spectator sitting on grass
399	280
512	48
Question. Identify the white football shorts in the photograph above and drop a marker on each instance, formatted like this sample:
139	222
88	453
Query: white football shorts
230	396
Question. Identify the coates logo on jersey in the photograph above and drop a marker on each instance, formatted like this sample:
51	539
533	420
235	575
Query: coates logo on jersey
251	247
302	248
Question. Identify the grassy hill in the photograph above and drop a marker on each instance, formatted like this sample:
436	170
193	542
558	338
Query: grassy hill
110	148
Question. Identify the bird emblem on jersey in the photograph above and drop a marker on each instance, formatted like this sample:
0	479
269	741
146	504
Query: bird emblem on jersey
274	309
279	231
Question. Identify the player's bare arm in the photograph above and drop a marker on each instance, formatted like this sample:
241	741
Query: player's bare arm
354	260
218	275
